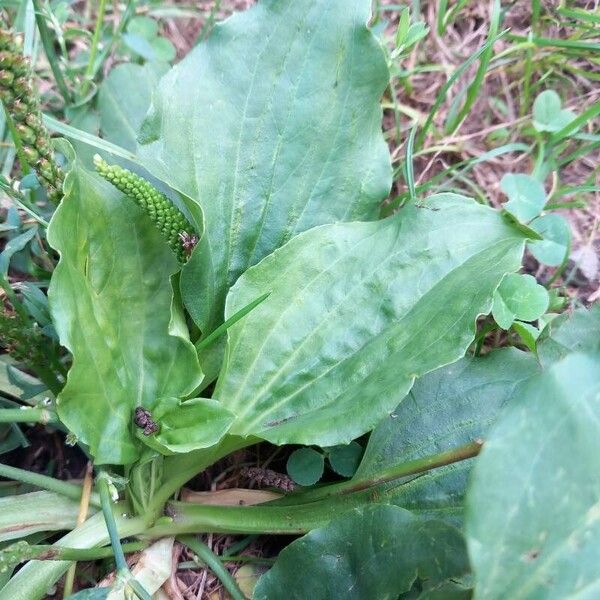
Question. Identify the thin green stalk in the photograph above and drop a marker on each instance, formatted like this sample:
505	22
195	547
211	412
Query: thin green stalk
209	22
103	482
592	112
475	87
412	467
70	490
89	72
19	199
409	164
561	268
27	415
211	560
441	96
535	15
125	18
47	42
87	138
52	552
240	314
527	76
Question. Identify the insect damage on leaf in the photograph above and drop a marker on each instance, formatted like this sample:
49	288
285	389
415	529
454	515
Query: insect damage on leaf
143	419
167	218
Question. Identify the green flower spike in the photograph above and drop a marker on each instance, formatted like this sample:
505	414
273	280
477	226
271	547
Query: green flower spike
23	106
167	218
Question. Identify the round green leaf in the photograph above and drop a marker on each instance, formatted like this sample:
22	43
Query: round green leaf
163	49
370	553
143	26
526	195
344	459
556	232
305	466
519	297
533	509
548	114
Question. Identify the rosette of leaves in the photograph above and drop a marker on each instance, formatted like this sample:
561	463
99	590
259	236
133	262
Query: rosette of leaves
22	105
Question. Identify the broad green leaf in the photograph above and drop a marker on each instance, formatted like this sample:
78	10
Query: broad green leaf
526	196
187	426
16	244
548	115
344	459
305	466
445	409
26	514
356	312
533	507
576	332
556	232
143	26
519	297
124	98
274	126
373	552
110	299
17	384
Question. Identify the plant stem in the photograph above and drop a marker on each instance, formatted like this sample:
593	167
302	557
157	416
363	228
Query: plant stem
298	513
221	329
70	490
89	72
51	552
50	53
211	560
27	415
183	467
269	518
103	482
405	469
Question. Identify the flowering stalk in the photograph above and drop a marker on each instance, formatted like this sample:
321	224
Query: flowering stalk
167	218
22	107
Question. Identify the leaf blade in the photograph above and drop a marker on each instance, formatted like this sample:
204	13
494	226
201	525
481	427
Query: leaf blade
541	462
288	136
114	277
305	356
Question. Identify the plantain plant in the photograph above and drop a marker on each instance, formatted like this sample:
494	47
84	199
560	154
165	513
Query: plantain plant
233	283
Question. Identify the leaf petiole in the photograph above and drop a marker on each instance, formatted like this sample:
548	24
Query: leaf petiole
103	482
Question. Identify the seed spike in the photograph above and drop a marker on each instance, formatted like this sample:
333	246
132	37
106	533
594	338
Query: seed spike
167	218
